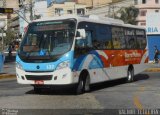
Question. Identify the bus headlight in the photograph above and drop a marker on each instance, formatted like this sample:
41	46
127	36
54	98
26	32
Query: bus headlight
62	65
19	66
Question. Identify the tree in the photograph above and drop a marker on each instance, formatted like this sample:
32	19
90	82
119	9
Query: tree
10	36
128	14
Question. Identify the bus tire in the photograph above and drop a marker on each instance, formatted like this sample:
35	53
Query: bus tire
130	75
80	86
87	83
83	84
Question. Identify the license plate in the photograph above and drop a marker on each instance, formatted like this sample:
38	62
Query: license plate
39	82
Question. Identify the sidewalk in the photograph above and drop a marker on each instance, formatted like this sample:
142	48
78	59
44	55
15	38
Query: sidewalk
154	68
9	70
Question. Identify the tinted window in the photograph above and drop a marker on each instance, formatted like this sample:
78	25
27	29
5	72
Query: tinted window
130	38
98	35
118	38
103	37
90	34
141	39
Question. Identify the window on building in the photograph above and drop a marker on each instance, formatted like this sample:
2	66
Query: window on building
156	1
69	11
135	2
143	24
80	11
143	12
156	10
58	11
143	1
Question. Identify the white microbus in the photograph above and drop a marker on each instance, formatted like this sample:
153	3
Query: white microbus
76	50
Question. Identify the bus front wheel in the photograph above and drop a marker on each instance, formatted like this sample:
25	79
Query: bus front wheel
83	84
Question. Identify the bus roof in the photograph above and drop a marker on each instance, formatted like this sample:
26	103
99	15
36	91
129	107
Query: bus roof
92	18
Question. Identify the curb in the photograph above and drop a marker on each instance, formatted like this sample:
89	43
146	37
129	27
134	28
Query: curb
4	76
152	70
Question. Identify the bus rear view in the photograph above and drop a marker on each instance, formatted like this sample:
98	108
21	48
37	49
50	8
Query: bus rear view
45	53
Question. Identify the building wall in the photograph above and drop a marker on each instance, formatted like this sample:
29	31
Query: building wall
66	8
108	10
93	3
3	19
153	32
40	8
12	4
2	3
149	15
96	3
144	8
153	40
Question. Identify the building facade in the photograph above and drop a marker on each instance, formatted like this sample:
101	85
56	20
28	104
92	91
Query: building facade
149	15
2	3
153	32
109	9
66	8
40	9
13	21
146	6
93	3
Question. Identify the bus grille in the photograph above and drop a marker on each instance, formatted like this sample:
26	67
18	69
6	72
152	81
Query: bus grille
34	77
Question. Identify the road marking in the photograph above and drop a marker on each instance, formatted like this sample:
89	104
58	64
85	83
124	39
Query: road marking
141	89
137	103
136	100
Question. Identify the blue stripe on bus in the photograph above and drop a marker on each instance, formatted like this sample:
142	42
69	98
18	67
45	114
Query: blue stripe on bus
98	56
95	63
79	62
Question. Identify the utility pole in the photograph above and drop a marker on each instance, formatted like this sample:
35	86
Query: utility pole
27	6
31	10
92	3
21	16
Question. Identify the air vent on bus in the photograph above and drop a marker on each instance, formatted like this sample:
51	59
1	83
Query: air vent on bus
38	77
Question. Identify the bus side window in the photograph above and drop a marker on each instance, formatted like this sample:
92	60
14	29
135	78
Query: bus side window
118	38
88	39
141	39
96	44
108	44
131	43
116	43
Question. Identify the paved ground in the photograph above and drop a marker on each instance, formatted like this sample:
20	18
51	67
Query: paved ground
117	96
9	68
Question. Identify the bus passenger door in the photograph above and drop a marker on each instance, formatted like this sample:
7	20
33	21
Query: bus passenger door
83	46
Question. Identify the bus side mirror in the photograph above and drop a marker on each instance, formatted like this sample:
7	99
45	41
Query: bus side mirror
81	34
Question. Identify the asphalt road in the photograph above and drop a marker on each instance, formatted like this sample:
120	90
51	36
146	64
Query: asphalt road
117	95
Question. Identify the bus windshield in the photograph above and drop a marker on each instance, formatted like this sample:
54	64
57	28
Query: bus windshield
47	40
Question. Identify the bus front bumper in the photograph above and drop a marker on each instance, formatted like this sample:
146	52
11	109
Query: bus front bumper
58	77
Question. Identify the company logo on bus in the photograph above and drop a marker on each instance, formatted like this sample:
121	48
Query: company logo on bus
38	67
132	55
